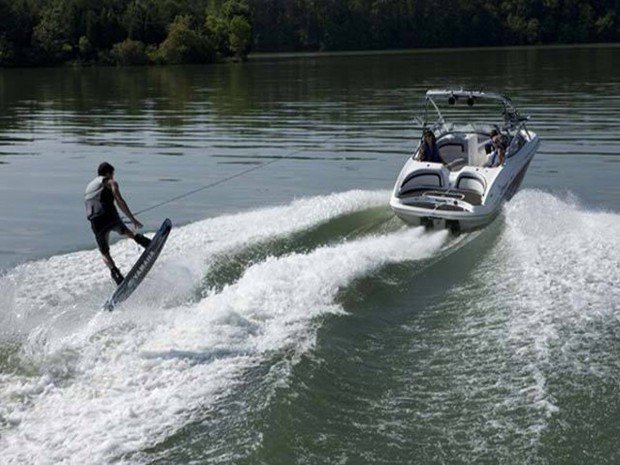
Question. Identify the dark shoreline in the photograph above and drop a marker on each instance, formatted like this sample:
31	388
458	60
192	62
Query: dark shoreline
260	56
405	51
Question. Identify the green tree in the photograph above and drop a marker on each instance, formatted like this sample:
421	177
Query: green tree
6	51
184	44
232	8
216	29
53	33
142	20
228	27
239	36
606	25
129	52
87	52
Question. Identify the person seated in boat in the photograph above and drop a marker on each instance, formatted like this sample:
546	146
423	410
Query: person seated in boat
429	150
488	145
497	156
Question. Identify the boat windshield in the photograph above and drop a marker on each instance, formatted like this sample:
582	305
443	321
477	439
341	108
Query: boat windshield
439	129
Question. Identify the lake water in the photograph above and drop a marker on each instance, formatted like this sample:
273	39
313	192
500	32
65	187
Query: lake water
291	318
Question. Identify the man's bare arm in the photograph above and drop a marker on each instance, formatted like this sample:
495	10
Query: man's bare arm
122	204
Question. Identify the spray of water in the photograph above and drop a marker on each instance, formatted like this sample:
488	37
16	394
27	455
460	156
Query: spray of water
124	381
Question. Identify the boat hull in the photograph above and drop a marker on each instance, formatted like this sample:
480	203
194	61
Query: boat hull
454	222
436	212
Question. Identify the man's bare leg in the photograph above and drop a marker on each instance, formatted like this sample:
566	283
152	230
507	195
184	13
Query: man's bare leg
114	271
117	276
107	259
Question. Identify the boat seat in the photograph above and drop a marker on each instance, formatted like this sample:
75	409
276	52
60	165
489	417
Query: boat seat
421	180
471	183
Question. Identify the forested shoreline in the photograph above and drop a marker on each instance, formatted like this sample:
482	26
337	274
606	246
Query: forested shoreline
128	32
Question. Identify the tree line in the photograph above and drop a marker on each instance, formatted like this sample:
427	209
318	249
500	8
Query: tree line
35	32
39	32
309	25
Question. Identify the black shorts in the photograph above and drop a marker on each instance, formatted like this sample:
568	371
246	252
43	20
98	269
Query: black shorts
102	226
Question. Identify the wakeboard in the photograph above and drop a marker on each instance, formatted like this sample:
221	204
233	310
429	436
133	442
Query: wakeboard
140	268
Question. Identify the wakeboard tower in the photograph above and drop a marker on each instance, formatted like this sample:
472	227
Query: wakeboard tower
140	268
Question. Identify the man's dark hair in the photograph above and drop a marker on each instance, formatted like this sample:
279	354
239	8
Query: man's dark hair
105	169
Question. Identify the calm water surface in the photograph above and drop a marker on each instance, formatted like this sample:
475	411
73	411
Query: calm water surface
292	319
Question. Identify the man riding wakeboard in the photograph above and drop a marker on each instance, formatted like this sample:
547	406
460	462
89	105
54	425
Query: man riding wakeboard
101	193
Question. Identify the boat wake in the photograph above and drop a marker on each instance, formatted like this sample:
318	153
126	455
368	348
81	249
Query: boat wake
78	385
89	386
532	326
561	285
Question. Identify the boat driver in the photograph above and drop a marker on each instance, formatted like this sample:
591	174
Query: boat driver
488	145
101	193
497	156
429	150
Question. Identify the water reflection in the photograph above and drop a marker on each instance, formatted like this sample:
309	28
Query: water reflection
333	123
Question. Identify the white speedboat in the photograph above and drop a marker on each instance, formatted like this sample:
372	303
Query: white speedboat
459	192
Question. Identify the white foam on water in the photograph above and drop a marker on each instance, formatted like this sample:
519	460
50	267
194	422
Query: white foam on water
67	287
564	277
127	380
539	308
555	274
